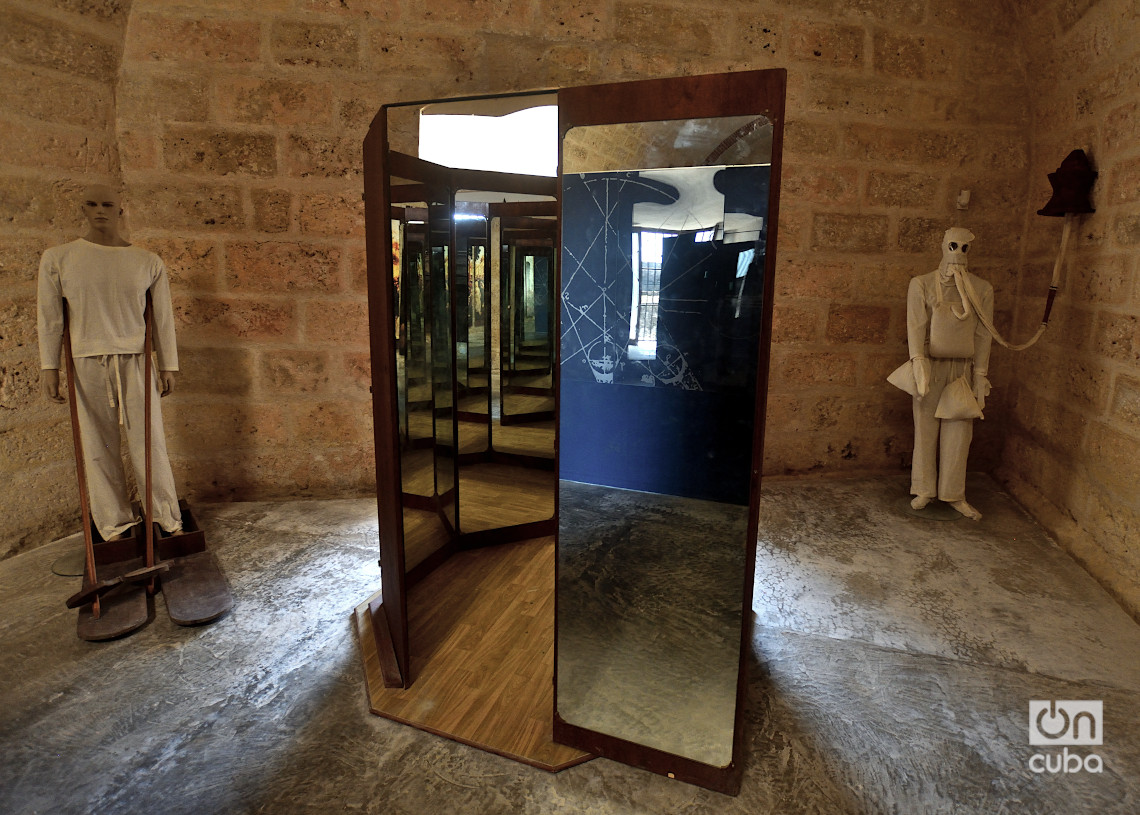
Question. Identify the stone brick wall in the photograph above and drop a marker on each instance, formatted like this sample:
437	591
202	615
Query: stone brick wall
239	130
1073	451
60	61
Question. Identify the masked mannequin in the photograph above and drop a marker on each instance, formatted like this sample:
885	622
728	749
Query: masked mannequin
104	280
949	354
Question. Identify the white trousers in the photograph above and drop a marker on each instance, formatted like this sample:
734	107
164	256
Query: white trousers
941	446
109	393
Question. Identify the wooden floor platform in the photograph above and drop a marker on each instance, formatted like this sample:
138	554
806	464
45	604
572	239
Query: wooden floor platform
482	655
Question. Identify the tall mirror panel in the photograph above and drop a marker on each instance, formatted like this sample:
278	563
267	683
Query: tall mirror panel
664	314
444	386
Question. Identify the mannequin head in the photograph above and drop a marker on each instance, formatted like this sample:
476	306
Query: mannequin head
102	208
955	245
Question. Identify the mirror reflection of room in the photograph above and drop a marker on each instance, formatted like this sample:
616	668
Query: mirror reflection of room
662	296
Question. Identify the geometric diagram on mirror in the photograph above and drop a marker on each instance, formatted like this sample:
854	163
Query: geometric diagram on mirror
637	246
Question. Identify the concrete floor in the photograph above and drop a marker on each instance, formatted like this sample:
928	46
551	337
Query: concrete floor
894	660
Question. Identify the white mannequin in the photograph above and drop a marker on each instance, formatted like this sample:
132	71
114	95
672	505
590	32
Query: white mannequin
103	280
947	340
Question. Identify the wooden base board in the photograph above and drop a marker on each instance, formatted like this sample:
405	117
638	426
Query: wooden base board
482	660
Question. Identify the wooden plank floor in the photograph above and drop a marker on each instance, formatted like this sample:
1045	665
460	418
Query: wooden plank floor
482	654
495	495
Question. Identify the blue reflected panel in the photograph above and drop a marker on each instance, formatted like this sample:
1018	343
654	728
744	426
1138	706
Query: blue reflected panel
661	311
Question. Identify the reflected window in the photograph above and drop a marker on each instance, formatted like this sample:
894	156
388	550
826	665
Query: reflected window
647	258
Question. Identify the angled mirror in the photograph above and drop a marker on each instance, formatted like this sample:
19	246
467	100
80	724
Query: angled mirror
666	254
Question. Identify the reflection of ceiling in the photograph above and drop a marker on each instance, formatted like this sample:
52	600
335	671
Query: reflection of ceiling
683	143
699	206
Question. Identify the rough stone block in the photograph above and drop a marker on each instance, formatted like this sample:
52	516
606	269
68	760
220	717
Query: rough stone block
1101	279
187	206
332	424
34	93
20	385
817	183
380	10
500	16
282	266
219	152
1126	230
1126	402
191	264
577	18
800	277
813	368
356	368
639	22
294	371
356	258
839	232
193	39
207	320
323	157
161	97
356	114
281	102
1124	182
19	262
888	282
47	146
985	19
396	50
856	95
39	442
914	56
236	428
338	322
53	514
943	148
910	190
1111	460
809	139
873	372
647	62
1084	381
860	324
1058	427
138	149
900	11
332	214
216	371
922	235
18	322
271	210
1005	152
1117	337
316	45
794	325
825	43
33	40
102	10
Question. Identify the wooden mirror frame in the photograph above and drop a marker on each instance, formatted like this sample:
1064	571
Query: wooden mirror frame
759	93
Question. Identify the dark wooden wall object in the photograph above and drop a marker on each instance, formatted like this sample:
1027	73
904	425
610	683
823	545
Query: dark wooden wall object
390	628
759	93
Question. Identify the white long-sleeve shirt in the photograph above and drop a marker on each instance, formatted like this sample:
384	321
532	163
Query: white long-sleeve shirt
105	288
